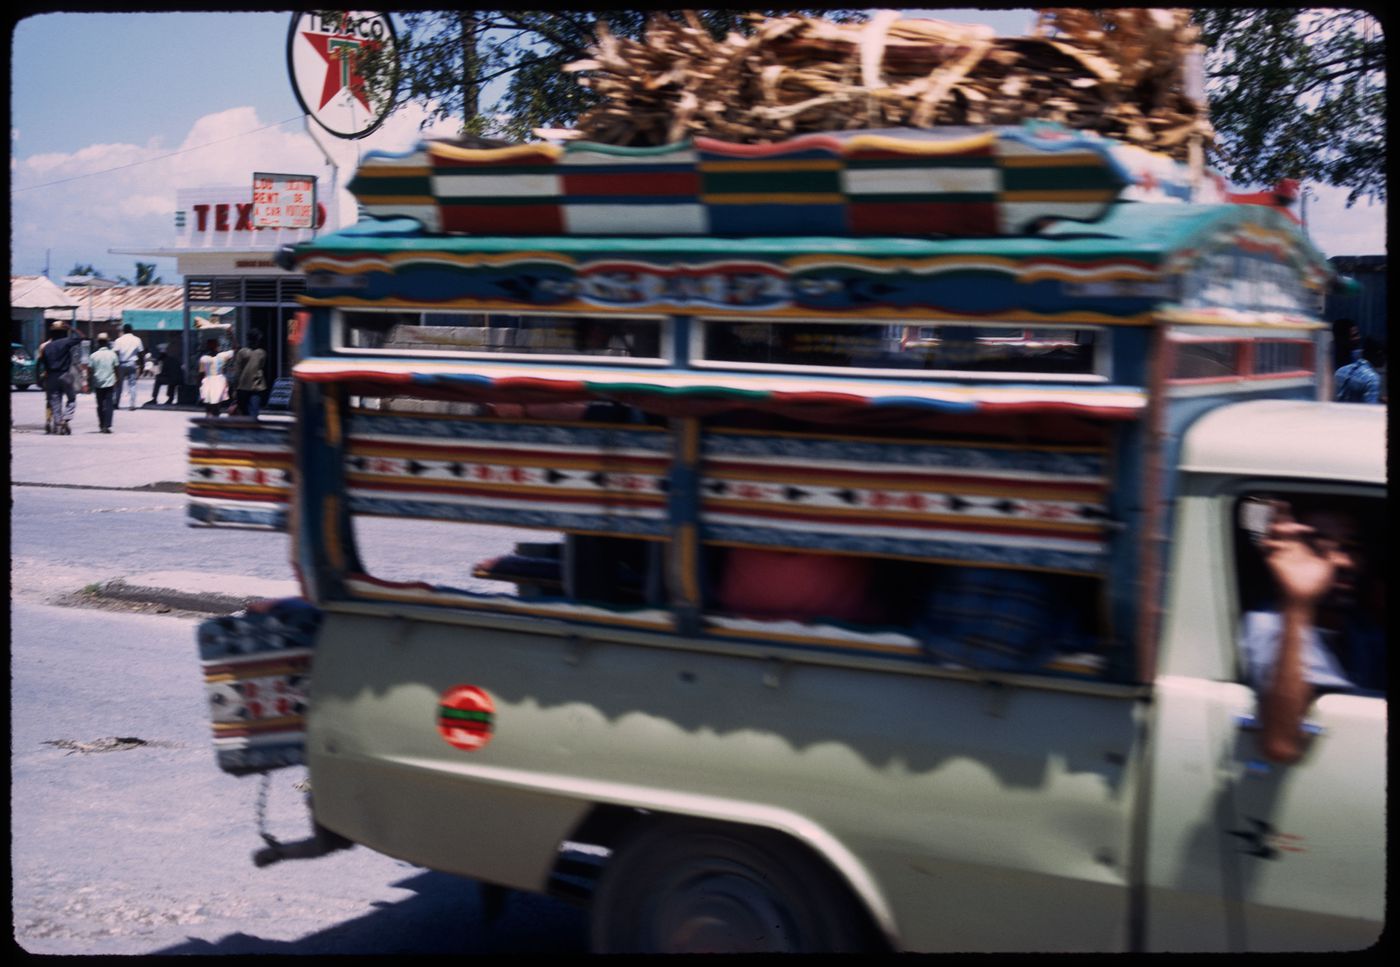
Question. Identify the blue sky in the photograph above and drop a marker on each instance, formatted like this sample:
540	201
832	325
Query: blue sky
111	113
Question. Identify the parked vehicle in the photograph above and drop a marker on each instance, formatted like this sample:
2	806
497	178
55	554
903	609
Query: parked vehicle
755	478
23	371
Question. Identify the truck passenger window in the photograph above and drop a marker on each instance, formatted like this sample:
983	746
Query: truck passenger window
958	348
954	616
500	333
1340	546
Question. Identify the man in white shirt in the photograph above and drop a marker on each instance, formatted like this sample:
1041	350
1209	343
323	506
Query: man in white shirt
128	348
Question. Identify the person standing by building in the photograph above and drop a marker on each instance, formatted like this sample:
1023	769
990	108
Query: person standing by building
129	349
213	386
103	367
169	375
251	365
1357	381
61	373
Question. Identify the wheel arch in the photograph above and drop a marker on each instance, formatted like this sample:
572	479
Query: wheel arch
610	824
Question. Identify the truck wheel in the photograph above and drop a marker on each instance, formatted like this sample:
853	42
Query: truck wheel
689	887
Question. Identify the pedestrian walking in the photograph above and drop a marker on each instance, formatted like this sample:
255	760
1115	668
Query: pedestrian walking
213	385
103	368
129	350
250	384
170	374
61	373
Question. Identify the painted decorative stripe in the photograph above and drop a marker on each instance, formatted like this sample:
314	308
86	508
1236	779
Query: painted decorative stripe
898	217
596	478
630	185
969	502
256	668
1109	402
646	217
486	216
239	475
807	185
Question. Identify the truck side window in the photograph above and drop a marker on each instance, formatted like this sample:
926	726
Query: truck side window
1337	545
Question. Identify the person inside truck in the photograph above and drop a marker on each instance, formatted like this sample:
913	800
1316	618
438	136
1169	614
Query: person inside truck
1317	637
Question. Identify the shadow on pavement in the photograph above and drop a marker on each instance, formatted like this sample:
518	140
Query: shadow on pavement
444	917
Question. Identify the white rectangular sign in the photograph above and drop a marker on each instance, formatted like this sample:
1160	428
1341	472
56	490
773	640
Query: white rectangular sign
283	201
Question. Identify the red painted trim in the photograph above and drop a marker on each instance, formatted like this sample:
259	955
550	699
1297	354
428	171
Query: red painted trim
356	375
1247	378
542	218
806	142
1103	412
952	218
641	183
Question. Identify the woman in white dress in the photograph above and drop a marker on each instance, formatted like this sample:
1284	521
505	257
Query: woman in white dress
213	388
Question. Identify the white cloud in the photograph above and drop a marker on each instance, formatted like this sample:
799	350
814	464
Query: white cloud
81	204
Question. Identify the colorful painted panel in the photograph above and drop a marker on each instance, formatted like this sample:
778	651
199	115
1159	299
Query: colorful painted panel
256	671
239	474
679	387
1024	506
593	478
972	182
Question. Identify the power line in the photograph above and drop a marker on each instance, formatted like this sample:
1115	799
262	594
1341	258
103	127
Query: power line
172	154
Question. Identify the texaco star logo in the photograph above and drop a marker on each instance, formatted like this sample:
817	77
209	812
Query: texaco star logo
323	50
339	52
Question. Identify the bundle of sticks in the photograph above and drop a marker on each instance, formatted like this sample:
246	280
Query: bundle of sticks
1124	73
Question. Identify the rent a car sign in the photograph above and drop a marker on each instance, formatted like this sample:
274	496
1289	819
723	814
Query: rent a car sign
283	201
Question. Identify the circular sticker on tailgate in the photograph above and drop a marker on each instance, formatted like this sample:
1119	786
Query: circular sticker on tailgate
466	717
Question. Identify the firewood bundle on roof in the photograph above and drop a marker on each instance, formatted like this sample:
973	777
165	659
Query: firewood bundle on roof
1121	73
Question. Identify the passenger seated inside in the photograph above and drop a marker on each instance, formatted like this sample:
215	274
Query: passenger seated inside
790	585
1321	626
998	619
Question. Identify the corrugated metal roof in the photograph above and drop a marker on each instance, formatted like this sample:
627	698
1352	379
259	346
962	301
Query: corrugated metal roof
37	292
106	305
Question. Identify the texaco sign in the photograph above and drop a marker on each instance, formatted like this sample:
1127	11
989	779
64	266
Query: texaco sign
320	58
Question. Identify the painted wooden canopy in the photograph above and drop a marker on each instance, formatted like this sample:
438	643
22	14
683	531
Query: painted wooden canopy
949	182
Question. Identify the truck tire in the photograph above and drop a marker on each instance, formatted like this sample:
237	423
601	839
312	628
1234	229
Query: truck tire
682	886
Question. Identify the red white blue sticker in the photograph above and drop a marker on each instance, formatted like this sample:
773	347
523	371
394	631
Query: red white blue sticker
466	717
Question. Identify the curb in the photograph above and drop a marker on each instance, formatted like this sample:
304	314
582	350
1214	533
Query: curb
159	487
209	602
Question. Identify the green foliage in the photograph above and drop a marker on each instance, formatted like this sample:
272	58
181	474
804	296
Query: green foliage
80	269
448	57
1298	94
145	275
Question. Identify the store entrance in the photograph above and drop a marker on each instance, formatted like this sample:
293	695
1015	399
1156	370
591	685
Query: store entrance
263	319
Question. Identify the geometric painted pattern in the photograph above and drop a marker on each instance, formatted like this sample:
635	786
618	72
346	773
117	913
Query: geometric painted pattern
256	669
1033	507
597	478
967	182
239	475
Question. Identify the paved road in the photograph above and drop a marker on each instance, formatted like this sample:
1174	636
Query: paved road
126	838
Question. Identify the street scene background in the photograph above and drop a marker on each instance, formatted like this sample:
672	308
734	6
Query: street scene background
126	838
